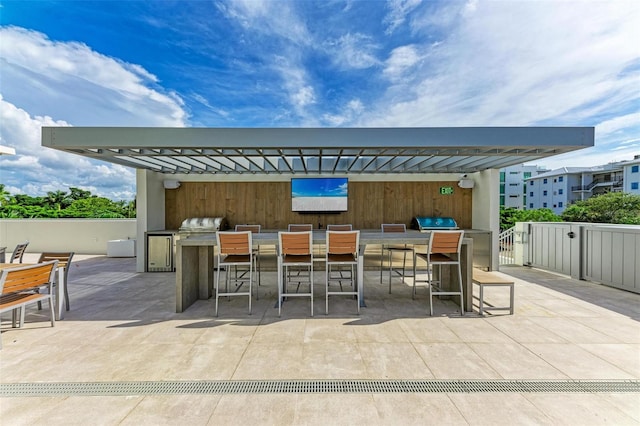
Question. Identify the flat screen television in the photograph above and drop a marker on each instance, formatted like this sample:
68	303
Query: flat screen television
324	194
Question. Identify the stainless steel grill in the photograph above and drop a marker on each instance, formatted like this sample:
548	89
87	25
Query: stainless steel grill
432	222
203	224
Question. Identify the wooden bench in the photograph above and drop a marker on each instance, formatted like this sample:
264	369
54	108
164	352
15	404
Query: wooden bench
20	285
486	279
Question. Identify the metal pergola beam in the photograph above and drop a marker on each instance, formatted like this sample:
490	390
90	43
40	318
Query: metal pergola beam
317	150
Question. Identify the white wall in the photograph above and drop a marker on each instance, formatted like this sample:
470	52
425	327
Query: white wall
485	212
86	236
150	209
630	178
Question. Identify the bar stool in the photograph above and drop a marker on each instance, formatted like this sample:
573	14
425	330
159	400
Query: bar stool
234	249
299	227
295	251
342	250
340	228
443	249
394	248
254	229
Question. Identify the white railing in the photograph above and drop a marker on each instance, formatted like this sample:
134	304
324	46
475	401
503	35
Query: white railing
507	255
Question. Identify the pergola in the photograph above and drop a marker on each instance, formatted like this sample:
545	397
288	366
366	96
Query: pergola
317	150
5	150
199	154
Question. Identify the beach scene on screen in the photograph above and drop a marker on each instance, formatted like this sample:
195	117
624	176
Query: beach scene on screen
319	194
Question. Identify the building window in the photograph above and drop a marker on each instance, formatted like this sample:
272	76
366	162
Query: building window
561	178
634	185
502	188
544	204
530	205
527	175
502	200
530	183
560	191
634	169
501	176
560	204
514	173
544	192
514	184
554	180
544	180
513	196
531	194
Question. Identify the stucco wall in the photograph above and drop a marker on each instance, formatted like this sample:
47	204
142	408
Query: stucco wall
86	236
486	207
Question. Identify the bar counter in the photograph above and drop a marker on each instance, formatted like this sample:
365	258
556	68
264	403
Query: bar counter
195	264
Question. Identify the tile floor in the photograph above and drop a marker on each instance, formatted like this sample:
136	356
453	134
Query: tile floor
123	327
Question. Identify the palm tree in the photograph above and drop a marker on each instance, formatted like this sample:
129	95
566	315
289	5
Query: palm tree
79	194
4	196
57	199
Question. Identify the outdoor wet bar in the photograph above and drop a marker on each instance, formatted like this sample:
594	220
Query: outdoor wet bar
250	175
195	266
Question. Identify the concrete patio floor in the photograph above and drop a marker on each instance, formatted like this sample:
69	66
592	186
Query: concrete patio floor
122	326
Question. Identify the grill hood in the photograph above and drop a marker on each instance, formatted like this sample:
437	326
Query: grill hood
203	224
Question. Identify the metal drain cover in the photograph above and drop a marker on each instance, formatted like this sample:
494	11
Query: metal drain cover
317	386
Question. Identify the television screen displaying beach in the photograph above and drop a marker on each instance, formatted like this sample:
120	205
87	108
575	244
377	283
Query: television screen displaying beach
319	194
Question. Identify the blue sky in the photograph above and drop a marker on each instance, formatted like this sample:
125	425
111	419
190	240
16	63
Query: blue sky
319	187
309	63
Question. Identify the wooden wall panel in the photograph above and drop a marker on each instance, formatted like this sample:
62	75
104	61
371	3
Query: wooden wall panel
269	204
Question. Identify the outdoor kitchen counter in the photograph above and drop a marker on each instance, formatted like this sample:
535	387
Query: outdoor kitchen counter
195	264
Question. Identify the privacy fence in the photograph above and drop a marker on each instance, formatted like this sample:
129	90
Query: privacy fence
596	252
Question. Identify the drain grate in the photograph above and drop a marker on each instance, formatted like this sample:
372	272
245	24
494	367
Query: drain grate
317	386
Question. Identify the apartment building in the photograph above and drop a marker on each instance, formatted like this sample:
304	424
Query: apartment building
513	185
631	176
557	189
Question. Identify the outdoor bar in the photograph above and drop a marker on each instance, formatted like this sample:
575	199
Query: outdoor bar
195	268
246	175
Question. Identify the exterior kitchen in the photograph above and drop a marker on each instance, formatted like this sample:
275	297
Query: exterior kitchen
243	175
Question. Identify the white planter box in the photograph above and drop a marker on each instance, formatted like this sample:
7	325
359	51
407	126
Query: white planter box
121	248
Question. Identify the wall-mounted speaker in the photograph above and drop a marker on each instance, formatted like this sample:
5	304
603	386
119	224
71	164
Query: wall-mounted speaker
466	183
171	184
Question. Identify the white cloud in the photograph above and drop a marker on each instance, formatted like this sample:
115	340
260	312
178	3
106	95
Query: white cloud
616	124
303	97
523	63
590	157
350	112
398	11
51	170
272	18
469	7
283	38
296	87
402	59
353	50
22	132
83	87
